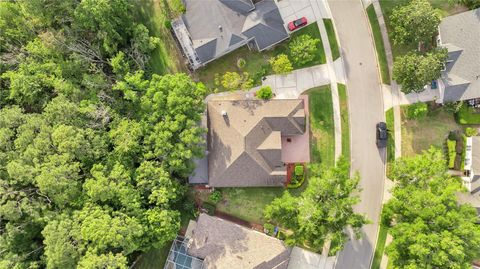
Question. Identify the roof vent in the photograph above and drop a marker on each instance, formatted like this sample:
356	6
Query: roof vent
224	113
220	28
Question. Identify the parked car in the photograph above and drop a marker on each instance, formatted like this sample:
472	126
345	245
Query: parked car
294	25
382	134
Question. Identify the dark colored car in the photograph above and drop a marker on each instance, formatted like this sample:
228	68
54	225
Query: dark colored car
382	134
294	25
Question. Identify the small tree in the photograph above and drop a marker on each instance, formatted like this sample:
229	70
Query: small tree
303	49
324	209
231	81
281	64
415	22
413	71
265	93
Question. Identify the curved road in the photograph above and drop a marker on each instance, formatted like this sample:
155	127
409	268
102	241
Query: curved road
366	109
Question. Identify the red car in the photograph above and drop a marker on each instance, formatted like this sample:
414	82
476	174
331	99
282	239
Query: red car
294	25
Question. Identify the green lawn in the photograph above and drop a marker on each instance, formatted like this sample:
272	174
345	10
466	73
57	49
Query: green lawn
432	130
322	145
444	6
342	93
379	45
332	38
468	115
153	13
390	120
380	247
154	259
257	64
248	203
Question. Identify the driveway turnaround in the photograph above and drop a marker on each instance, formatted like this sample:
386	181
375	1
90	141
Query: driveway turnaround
366	109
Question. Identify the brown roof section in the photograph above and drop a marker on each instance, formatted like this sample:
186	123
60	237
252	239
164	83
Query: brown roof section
244	140
223	244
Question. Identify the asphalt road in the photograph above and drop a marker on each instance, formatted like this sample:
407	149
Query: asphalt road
366	109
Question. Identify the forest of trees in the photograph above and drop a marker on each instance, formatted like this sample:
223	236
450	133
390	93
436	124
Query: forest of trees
94	148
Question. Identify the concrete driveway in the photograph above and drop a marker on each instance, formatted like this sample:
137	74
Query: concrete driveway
366	109
295	9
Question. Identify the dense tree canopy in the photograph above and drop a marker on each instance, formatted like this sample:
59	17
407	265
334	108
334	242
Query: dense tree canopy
323	210
94	148
414	71
430	228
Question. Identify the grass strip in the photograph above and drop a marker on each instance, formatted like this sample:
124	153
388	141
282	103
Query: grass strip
332	38
379	45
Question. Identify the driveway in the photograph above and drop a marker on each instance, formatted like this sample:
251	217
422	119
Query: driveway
366	109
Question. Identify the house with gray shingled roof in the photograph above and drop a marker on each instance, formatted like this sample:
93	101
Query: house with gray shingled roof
210	29
245	140
460	34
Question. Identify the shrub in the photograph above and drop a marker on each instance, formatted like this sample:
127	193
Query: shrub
247	82
265	93
281	64
303	49
417	110
268	228
215	196
451	153
231	81
453	135
168	24
452	107
241	63
299	170
281	235
210	208
469	131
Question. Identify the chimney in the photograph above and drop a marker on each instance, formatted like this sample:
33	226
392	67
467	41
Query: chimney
220	28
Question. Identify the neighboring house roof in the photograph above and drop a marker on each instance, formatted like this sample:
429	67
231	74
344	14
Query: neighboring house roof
223	244
216	27
460	34
245	144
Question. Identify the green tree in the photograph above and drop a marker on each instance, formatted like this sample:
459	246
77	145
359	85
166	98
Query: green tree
109	21
323	210
231	81
103	261
416	22
413	71
281	64
303	49
430	228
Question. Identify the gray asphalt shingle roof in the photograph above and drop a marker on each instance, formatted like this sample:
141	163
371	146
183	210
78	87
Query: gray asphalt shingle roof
245	145
460	34
217	27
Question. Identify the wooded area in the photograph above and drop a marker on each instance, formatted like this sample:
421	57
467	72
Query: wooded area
94	148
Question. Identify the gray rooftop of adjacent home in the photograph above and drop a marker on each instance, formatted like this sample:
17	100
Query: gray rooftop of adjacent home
223	244
219	26
244	140
460	34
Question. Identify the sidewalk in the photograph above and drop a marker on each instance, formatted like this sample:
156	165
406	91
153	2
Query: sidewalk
394	89
392	97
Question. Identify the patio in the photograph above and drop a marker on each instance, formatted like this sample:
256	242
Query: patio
296	149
